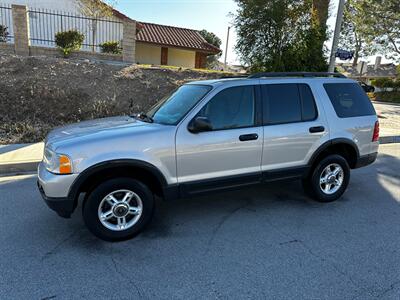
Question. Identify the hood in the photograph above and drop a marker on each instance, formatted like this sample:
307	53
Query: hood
90	127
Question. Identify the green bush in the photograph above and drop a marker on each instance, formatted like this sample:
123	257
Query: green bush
382	82
111	47
3	34
69	41
393	96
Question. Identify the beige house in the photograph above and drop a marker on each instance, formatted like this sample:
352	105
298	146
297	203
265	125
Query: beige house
168	45
142	42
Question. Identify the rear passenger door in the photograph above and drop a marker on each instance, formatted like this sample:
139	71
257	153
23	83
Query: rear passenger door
293	124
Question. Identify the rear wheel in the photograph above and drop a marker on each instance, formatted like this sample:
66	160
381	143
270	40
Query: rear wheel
329	179
118	209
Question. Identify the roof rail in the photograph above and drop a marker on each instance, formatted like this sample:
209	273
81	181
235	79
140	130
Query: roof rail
235	76
297	74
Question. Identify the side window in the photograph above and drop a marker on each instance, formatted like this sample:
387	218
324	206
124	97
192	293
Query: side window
309	110
288	103
231	108
349	100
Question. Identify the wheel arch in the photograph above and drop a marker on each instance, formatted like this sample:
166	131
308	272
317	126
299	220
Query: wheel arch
342	146
137	169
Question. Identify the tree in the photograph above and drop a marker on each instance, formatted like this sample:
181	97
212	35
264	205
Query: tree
352	32
211	38
96	9
382	25
282	35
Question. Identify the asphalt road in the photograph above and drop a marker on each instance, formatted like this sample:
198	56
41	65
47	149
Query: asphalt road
264	242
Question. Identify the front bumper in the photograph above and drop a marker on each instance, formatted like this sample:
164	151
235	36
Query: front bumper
55	189
62	206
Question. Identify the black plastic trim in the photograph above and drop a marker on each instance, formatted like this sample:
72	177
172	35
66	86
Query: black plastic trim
62	206
336	141
366	160
77	184
285	173
200	187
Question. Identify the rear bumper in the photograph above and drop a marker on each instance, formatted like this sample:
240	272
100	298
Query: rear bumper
366	160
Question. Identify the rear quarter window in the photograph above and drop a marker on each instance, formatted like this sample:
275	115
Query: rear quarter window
349	100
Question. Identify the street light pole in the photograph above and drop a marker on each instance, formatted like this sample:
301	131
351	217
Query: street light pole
336	35
226	48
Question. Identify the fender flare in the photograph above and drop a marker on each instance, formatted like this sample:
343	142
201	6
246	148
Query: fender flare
75	188
327	144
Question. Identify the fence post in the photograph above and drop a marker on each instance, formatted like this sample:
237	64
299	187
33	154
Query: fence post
129	41
21	29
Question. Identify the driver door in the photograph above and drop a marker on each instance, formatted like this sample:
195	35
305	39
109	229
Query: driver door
228	155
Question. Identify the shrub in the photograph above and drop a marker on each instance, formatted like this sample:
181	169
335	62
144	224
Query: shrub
3	34
393	97
111	47
69	41
383	83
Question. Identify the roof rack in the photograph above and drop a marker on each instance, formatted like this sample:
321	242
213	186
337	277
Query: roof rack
297	74
235	76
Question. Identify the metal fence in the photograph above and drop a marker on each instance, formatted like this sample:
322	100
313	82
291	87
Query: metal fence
6	20
44	24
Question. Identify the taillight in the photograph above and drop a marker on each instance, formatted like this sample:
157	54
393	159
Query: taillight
375	136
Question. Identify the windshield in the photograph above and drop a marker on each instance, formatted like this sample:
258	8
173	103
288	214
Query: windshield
174	107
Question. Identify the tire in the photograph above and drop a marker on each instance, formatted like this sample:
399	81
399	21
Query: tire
107	200
335	186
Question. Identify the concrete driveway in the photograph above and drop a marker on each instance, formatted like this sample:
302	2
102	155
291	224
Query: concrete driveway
268	242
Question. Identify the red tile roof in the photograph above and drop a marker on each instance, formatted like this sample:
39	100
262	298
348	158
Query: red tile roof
174	37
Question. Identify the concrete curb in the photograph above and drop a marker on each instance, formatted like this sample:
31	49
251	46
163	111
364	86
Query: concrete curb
27	167
18	168
389	139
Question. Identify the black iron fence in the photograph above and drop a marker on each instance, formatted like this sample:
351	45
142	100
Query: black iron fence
44	24
6	20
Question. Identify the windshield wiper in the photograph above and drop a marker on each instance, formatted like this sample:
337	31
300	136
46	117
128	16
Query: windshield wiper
143	117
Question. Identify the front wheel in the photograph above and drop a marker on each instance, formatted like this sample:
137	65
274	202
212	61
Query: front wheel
118	209
329	179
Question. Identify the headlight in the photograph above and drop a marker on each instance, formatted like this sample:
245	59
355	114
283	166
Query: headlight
57	163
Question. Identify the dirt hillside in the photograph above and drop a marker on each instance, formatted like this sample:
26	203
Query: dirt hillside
39	93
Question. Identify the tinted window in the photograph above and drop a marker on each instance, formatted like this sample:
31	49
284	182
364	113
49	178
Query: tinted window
349	100
231	108
309	111
288	103
175	106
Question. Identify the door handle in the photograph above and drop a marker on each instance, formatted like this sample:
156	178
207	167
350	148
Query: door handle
317	129
248	137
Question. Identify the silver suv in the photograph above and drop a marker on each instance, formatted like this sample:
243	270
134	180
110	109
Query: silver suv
209	136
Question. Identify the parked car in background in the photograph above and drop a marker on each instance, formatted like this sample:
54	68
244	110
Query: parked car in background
366	87
209	136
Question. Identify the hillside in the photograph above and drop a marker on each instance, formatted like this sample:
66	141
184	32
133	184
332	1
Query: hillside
39	93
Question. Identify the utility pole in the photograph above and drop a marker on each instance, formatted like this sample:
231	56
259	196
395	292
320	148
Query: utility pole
226	48
335	41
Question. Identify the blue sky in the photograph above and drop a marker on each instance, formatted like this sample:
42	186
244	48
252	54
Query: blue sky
212	15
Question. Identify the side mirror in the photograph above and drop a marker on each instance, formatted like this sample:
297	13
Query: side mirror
199	124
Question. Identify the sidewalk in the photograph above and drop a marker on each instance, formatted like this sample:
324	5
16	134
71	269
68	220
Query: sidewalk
20	158
389	118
